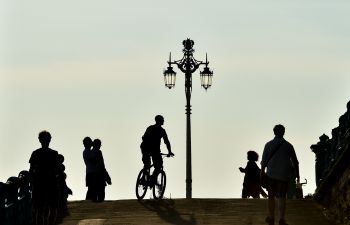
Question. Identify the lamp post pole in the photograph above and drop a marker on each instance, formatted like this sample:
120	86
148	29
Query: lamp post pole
188	90
188	65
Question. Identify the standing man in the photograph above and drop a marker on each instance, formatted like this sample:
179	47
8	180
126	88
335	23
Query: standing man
44	172
277	155
150	145
90	163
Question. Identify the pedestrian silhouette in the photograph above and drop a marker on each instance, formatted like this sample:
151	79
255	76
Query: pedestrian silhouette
90	163
44	171
63	189
103	177
24	198
277	155
251	183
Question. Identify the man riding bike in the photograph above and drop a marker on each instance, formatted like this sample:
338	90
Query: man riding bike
150	146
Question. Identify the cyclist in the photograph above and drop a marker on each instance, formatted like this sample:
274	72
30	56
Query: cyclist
150	146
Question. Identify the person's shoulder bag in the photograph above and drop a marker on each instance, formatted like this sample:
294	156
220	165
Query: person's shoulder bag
263	176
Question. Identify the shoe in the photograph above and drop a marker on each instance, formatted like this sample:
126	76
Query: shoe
269	220
282	222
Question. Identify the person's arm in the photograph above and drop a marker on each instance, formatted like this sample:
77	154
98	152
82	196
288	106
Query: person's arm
264	159
105	173
102	161
242	169
167	143
32	163
295	164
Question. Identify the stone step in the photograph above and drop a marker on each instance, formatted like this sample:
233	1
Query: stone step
189	212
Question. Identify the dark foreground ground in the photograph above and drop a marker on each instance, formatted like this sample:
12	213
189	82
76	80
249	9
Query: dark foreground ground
189	212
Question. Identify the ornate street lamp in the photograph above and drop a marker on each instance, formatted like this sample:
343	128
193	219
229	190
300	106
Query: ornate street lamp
169	76
188	65
206	76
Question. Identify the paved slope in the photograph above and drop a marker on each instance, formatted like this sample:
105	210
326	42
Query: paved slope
189	212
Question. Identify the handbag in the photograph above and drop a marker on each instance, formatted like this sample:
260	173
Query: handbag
263	177
107	177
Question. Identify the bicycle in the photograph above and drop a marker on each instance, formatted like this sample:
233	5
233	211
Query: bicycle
144	182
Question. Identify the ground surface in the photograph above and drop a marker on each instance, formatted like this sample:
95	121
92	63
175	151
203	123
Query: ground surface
189	212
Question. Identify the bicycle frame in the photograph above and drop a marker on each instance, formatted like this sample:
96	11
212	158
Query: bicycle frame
144	181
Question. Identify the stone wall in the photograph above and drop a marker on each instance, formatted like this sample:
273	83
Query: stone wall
333	192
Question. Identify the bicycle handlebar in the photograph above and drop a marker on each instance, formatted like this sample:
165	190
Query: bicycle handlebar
167	155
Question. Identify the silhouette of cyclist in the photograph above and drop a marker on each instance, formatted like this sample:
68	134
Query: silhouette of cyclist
150	146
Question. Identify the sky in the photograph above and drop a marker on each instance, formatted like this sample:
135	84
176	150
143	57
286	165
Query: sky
95	68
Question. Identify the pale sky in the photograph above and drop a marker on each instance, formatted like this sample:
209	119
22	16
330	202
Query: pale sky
94	68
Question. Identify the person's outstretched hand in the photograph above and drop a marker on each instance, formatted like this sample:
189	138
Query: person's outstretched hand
241	169
170	154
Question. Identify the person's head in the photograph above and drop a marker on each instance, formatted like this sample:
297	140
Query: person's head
96	144
44	138
252	156
323	138
159	120
60	158
279	130
87	142
24	176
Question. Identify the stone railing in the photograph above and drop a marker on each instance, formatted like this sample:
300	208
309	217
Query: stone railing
333	170
15	200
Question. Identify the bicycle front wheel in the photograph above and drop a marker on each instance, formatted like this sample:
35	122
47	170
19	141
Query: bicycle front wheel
159	186
142	184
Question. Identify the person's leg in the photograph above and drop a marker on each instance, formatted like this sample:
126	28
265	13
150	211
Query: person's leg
271	189
91	182
100	188
255	191
271	206
52	215
88	183
244	193
282	188
282	207
146	159
94	187
101	194
158	164
89	195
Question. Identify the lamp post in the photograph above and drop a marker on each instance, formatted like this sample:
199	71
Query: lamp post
188	65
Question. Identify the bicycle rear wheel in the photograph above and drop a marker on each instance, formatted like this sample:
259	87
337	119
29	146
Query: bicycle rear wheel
159	186
142	184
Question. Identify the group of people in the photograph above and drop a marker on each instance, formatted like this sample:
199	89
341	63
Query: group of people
97	176
277	160
50	189
48	179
